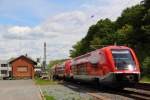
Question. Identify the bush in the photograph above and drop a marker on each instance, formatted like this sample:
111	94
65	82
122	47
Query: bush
146	67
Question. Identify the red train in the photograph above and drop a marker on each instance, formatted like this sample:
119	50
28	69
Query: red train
111	65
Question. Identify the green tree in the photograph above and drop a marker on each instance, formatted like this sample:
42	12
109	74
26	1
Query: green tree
146	3
146	17
76	49
123	35
146	66
132	16
95	43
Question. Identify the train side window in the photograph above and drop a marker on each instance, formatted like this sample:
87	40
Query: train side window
94	65
82	69
94	61
74	69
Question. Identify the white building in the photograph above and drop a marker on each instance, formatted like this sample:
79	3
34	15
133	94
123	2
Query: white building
5	69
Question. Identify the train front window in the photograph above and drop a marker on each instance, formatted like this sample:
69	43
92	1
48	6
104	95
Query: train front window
123	60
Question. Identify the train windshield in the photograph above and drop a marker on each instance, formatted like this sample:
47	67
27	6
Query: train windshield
123	60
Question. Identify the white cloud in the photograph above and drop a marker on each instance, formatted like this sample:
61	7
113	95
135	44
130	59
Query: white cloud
19	29
60	31
67	22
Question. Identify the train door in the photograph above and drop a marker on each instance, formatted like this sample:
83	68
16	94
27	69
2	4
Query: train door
94	63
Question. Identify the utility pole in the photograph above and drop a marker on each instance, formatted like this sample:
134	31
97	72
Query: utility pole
44	60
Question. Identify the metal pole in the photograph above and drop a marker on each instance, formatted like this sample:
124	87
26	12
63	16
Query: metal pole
44	56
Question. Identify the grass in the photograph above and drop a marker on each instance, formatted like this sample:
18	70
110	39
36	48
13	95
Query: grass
47	97
39	81
145	79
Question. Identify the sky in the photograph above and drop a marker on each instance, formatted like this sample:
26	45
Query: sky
26	24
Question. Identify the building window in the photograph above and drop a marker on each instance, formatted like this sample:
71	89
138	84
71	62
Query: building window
22	68
4	65
3	71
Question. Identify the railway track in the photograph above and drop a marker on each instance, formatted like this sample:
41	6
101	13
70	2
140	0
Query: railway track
138	92
98	97
143	86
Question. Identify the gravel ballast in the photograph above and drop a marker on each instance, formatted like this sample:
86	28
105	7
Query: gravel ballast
61	92
69	91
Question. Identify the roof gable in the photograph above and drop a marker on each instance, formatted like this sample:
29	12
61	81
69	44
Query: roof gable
22	56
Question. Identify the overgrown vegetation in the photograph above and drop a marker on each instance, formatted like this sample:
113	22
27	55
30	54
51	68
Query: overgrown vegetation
132	28
146	67
39	81
145	79
47	97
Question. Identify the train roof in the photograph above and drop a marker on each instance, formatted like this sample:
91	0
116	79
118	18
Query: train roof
89	54
108	47
86	57
116	47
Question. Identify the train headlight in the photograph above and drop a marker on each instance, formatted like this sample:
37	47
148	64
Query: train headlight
131	67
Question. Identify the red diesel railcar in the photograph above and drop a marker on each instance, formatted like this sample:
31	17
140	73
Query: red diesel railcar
58	71
111	65
62	71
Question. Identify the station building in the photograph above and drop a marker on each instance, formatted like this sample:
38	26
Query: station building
22	67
